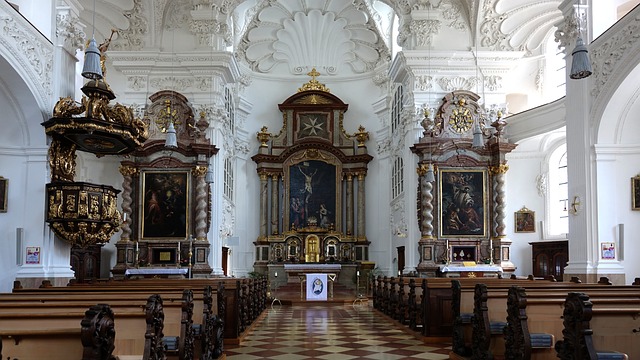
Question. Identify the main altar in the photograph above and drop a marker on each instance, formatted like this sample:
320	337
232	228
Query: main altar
312	177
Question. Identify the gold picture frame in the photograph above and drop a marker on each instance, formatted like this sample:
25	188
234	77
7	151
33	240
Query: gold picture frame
525	221
635	193
463	204
164	202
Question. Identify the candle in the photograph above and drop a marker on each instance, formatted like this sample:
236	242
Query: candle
276	274
124	217
136	246
178	246
358	272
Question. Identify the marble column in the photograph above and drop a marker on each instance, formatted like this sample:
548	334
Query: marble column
201	203
426	204
275	206
263	205
361	207
349	204
127	190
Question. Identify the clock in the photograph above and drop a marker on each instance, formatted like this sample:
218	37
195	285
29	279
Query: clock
460	119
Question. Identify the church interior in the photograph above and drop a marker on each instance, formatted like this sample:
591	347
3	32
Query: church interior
235	139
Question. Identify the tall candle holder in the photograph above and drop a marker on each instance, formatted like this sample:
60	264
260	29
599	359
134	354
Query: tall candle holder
274	288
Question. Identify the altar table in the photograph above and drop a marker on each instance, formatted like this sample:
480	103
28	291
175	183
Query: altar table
156	272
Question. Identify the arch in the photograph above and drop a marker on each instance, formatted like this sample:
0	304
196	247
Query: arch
22	109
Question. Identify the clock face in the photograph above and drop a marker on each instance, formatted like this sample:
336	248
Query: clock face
460	120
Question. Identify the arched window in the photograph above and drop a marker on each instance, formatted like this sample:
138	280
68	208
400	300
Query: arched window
228	179
397	177
396	109
230	108
558	200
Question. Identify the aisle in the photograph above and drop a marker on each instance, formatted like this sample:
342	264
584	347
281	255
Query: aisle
327	331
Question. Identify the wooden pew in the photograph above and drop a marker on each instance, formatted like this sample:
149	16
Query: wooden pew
253	295
604	333
92	340
52	310
534	319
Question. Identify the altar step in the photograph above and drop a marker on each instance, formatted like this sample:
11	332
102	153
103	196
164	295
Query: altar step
289	294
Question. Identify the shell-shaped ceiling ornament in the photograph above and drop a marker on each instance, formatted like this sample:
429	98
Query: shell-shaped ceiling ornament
332	36
521	25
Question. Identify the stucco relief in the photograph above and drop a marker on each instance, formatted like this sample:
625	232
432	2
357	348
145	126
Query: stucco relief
609	55
449	84
68	28
132	38
290	33
424	31
31	50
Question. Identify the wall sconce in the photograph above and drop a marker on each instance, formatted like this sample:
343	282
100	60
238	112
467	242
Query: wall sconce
574	208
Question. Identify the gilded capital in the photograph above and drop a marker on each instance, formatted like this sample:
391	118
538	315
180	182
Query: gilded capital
263	175
422	169
499	169
127	170
199	171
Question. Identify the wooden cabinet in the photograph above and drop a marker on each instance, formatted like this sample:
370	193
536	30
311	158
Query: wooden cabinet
549	258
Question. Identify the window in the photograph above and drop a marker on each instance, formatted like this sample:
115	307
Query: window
558	200
228	179
397	178
230	109
396	109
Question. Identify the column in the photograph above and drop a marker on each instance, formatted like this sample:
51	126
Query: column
361	206
263	205
349	204
201	203
499	245
127	189
275	206
580	178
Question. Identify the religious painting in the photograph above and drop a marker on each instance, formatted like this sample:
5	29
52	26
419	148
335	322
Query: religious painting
463	202
312	195
4	194
525	221
635	193
165	204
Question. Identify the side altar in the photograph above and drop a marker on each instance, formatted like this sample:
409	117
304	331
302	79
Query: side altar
312	176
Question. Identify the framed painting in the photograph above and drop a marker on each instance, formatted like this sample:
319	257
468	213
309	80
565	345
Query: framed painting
525	221
165	204
4	194
462	202
635	193
312	195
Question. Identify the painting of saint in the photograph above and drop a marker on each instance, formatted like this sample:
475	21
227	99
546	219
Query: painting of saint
462	203
164	213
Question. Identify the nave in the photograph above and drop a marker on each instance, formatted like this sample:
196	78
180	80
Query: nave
330	331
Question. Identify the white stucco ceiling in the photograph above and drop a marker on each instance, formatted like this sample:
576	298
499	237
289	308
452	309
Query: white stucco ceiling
286	37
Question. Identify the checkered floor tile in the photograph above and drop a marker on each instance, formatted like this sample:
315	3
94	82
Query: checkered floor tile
330	331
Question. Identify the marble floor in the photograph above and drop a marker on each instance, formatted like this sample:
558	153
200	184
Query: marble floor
330	331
